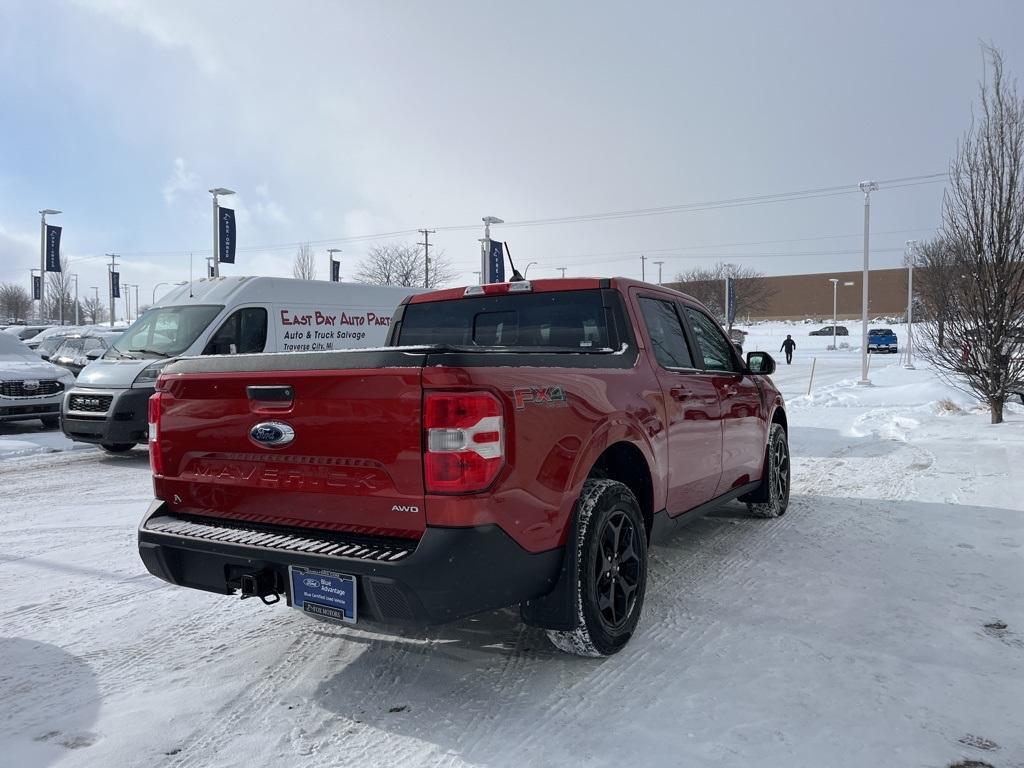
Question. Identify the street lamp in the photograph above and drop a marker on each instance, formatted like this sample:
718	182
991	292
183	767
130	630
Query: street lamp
659	263
867	187
153	300
528	268
216	230
835	284
485	248
127	302
42	260
330	264
911	246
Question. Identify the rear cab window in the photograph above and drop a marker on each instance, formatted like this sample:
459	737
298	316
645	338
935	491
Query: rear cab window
578	321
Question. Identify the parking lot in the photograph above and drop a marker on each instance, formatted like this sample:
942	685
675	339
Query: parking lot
878	622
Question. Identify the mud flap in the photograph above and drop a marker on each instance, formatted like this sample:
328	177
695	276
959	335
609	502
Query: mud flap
557	609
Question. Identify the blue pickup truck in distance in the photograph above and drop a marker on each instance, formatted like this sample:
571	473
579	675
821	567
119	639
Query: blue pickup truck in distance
882	340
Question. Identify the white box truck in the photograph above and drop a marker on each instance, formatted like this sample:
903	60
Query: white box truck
219	316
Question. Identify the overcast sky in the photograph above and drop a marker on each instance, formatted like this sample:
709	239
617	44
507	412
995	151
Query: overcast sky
344	120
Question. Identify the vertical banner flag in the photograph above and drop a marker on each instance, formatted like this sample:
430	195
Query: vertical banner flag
335	271
496	262
35	287
115	284
226	237
730	300
52	248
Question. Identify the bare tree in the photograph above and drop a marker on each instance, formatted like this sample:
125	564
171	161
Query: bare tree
982	348
403	264
60	296
15	302
937	284
304	266
707	285
94	311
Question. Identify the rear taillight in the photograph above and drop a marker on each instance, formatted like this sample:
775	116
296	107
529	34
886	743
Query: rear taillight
155	459
465	445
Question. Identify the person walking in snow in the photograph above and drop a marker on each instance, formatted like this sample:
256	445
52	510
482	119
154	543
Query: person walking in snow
788	346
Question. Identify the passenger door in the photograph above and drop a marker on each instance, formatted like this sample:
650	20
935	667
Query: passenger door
691	417
243	332
744	431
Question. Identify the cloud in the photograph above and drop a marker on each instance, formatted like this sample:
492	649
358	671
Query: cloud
182	180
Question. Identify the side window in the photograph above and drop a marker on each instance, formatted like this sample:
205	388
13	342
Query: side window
715	348
91	344
670	348
244	331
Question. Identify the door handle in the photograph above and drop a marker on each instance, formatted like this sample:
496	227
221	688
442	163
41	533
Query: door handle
678	393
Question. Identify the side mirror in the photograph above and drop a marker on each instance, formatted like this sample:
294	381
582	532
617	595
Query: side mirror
760	363
45	357
94	354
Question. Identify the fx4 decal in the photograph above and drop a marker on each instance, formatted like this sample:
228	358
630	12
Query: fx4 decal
538	396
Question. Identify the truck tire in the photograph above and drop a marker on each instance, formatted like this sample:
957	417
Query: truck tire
772	498
117	447
611	570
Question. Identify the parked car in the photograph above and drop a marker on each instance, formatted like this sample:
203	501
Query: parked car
46	343
25	332
517	444
78	350
882	340
219	316
840	330
30	388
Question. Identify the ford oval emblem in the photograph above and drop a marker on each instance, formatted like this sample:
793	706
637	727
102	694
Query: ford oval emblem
272	434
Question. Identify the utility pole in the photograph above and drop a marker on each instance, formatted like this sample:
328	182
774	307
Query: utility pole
426	255
110	284
659	263
867	187
562	270
643	268
136	287
127	288
330	264
911	248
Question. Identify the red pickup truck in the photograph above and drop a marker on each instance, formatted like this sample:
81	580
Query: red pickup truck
514	444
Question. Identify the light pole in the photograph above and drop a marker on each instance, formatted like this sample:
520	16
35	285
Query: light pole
659	263
76	298
867	187
528	268
136	287
42	260
216	229
330	264
485	248
33	280
911	248
127	302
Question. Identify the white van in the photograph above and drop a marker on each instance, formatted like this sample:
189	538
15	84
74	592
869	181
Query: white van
219	316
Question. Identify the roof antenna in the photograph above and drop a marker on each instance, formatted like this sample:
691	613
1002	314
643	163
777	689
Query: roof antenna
516	277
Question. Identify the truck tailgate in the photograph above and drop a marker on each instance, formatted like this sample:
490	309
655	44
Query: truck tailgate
354	462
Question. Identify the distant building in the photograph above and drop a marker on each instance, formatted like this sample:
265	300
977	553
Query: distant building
794	297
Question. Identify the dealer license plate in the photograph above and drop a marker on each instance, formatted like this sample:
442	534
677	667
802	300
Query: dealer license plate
324	593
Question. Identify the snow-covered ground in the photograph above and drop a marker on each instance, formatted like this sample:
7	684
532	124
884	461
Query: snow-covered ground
880	622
